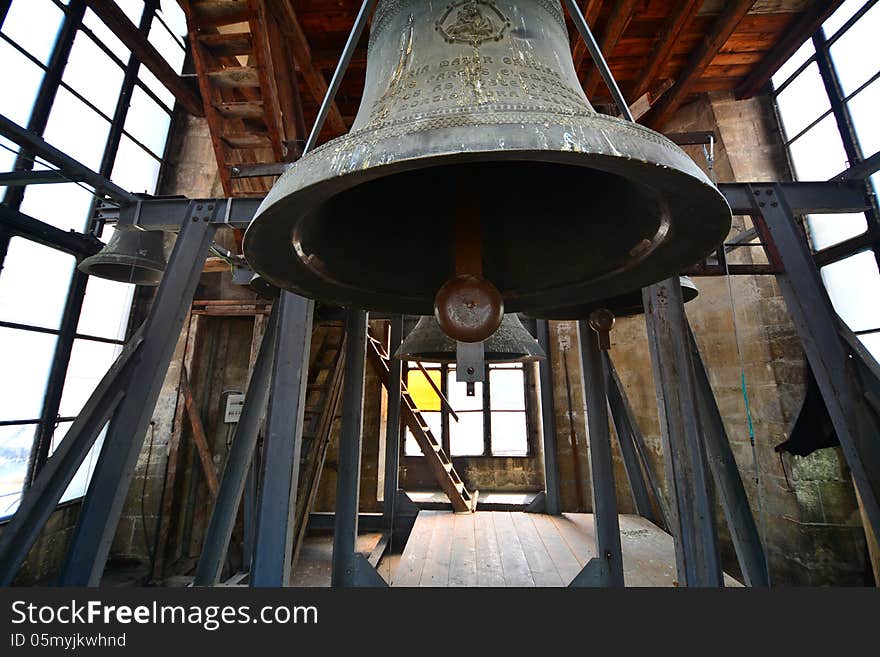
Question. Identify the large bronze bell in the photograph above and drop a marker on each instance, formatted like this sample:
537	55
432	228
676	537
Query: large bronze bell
511	343
624	305
131	256
474	134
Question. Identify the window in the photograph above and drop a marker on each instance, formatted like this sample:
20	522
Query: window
492	422
834	79
38	284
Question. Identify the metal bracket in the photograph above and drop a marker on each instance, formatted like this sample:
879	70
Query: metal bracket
595	574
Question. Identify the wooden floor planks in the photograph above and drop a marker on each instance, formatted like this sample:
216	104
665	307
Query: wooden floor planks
513	549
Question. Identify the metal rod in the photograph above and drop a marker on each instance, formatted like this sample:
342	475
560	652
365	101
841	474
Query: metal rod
238	463
347	52
728	482
282	447
598	58
90	543
392	425
39	501
552	505
349	469
601	466
696	542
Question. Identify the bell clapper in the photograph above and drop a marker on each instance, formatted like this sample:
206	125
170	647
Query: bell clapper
470	364
602	321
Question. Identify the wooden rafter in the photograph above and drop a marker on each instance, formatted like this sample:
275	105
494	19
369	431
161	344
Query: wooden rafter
115	19
621	14
794	38
675	25
722	28
302	54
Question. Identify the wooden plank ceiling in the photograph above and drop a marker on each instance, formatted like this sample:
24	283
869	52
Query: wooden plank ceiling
263	65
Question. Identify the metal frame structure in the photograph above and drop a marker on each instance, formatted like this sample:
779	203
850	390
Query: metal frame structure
128	393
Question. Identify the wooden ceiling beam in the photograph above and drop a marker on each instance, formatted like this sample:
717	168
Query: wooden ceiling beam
809	23
590	9
621	14
677	22
115	19
302	54
722	28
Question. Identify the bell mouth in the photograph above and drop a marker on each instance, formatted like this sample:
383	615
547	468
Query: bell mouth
122	272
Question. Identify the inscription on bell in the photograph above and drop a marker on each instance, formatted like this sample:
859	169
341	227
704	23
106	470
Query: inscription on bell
473	22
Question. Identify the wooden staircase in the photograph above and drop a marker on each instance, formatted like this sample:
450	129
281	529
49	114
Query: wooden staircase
437	459
245	74
323	392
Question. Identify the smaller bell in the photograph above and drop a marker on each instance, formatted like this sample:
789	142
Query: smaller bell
511	343
131	256
623	305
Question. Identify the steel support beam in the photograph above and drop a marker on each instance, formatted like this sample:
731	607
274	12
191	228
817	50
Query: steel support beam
392	425
282	447
817	326
728	482
621	410
239	464
637	484
606	569
351	569
113	473
696	543
39	501
551	500
16	223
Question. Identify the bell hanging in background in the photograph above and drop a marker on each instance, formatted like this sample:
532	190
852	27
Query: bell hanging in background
624	305
476	158
131	256
511	343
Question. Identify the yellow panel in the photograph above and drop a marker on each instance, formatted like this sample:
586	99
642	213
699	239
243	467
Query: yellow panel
422	392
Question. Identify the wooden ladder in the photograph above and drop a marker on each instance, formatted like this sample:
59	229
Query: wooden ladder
323	392
440	464
243	68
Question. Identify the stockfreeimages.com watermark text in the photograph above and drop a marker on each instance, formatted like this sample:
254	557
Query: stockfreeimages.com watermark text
209	617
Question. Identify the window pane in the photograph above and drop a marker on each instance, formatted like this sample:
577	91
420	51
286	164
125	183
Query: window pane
863	108
819	154
89	361
147	122
872	342
794	62
830	229
77	130
93	74
64	205
135	169
850	283
457	394
421	391
846	11
435	424
34	25
167	45
29	355
15	449
466	435
803	101
153	84
174	17
105	309
857	53
509	434
34	284
106	36
80	482
21	74
134	9
507	390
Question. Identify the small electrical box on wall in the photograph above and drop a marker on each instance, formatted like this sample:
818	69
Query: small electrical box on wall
234	403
